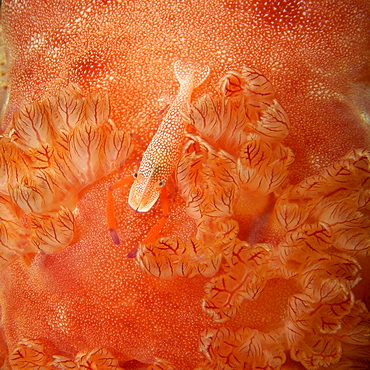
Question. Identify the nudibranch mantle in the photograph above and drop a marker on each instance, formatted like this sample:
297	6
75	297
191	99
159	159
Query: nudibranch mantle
163	152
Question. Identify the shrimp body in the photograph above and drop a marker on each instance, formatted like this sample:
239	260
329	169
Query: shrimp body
163	153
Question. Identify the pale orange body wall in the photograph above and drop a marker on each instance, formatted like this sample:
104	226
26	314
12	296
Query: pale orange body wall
264	258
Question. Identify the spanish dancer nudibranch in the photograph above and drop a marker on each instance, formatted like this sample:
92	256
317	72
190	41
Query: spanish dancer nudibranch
263	258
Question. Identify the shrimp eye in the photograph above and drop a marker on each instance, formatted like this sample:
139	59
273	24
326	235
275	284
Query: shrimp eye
161	184
135	175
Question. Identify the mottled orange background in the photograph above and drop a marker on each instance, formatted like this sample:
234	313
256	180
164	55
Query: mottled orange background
316	54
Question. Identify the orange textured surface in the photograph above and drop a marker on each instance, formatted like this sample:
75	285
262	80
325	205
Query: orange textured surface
251	297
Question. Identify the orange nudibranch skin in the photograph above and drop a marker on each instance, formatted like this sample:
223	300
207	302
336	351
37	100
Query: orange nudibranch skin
90	295
163	152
